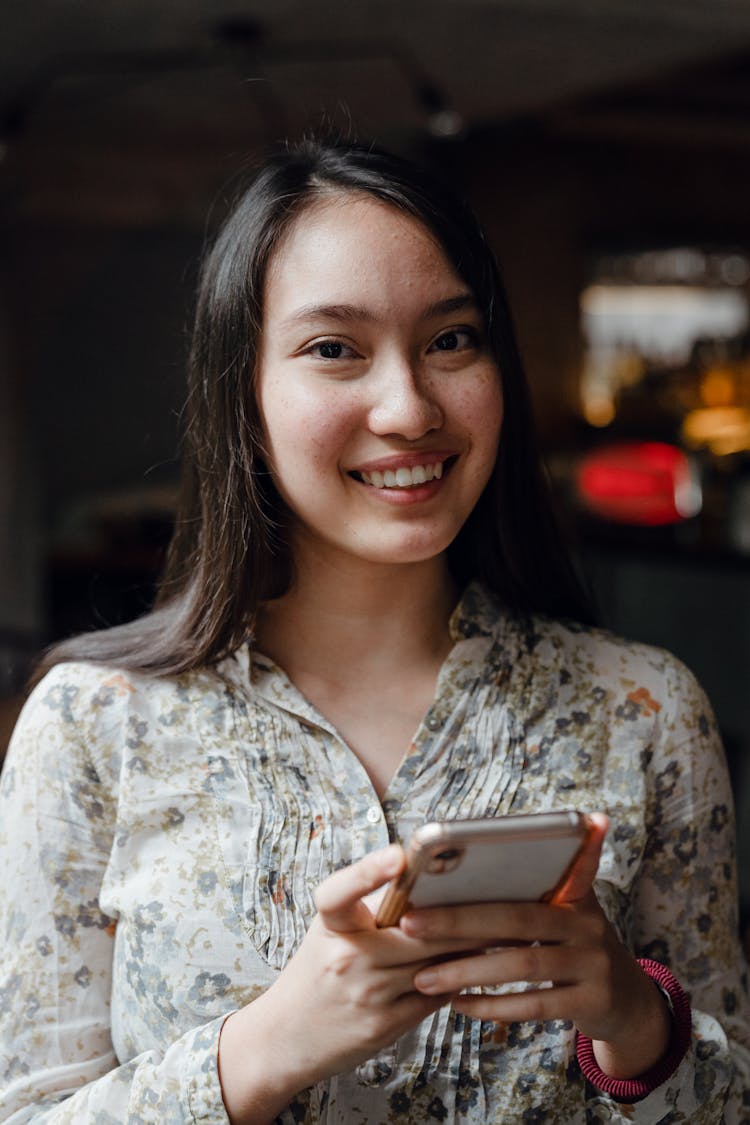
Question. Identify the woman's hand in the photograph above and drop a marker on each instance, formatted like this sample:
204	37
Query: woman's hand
348	992
596	982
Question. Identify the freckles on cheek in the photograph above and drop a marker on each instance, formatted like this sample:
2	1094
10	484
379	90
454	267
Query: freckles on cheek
322	433
483	414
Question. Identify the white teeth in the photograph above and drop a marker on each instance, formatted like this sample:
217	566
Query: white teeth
403	477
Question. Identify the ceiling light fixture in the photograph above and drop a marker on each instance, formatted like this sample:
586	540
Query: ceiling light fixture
443	121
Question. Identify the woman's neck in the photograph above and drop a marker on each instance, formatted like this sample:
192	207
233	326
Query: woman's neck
360	619
365	646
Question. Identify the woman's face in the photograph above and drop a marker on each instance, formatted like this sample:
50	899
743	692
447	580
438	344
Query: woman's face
379	398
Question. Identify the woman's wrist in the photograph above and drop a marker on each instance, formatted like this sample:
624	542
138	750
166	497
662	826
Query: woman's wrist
676	1007
256	1084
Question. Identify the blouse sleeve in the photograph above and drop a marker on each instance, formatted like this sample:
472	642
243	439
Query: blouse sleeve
57	1064
685	912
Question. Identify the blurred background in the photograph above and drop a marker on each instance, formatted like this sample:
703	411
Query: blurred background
606	146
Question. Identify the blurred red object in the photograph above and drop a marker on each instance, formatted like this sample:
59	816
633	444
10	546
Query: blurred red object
643	482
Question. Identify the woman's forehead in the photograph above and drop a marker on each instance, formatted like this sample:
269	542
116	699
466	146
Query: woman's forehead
351	239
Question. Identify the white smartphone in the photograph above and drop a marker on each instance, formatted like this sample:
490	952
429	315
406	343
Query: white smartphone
525	858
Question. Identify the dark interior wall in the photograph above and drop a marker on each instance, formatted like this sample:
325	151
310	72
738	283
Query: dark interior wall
20	486
106	341
549	201
92	361
526	196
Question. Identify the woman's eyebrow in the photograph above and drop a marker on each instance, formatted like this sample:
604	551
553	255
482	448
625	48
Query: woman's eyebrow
347	312
340	312
450	304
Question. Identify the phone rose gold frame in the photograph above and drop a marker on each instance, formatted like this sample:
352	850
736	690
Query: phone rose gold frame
459	834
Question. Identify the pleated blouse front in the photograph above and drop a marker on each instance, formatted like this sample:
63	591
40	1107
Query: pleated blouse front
163	840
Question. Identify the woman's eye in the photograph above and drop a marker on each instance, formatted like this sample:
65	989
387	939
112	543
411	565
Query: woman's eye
455	340
330	349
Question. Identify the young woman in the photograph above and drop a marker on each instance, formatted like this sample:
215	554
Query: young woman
367	623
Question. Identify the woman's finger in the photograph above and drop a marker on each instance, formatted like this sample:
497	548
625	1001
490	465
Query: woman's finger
535	1004
534	963
492	923
339	898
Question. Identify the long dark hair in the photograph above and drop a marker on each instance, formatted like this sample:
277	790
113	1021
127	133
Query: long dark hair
229	553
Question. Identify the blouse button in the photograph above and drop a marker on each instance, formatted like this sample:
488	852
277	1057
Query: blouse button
373	814
434	722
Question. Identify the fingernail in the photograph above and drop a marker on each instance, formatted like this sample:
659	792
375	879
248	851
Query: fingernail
413	925
426	979
392	859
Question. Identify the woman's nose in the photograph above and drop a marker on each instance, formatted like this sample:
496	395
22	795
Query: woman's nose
405	404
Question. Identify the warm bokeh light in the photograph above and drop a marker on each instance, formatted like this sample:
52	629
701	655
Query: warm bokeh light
721	429
717	387
598	409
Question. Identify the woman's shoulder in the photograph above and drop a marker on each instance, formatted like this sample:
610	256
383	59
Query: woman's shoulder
598	647
97	713
549	639
75	687
79	692
565	652
629	679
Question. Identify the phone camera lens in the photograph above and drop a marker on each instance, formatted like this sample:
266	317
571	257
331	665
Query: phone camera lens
445	860
447	855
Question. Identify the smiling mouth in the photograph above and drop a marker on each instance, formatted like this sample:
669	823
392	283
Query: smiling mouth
405	477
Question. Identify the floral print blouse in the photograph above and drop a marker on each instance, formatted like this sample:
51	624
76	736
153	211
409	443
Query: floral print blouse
160	841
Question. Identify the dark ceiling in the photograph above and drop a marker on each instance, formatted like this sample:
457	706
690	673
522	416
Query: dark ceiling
90	91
